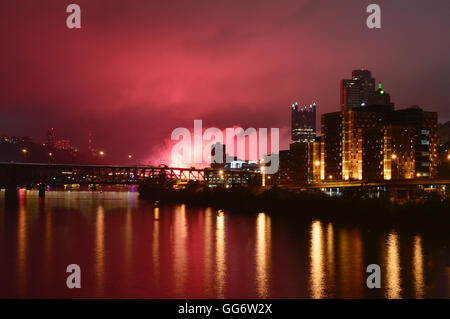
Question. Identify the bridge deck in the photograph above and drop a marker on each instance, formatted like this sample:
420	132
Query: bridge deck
29	173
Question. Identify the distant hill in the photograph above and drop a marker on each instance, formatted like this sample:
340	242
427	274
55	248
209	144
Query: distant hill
37	153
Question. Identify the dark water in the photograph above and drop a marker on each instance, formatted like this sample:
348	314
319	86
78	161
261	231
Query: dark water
128	248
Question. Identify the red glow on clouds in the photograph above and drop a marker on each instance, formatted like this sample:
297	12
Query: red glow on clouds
164	154
138	69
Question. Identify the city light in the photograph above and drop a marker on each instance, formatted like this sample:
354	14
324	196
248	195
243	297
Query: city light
130	156
50	154
394	156
24	152
101	153
263	175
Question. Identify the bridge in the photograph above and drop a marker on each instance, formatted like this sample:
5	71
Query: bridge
24	174
13	175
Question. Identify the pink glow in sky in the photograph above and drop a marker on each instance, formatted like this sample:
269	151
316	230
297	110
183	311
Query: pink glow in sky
138	69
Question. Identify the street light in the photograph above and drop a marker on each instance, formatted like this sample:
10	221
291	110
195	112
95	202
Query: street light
130	156
24	152
394	158
102	156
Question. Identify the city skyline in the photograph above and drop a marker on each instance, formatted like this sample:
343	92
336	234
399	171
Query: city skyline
305	126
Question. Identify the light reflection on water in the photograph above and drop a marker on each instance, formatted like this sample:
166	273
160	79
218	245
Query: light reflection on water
318	282
419	281
208	259
393	280
263	255
179	236
129	248
155	244
100	250
221	267
22	243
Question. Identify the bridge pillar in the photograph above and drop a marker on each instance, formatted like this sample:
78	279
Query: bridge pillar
11	198
42	188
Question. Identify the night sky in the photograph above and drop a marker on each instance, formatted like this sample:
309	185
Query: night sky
138	69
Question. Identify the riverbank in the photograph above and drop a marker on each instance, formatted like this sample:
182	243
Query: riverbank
432	211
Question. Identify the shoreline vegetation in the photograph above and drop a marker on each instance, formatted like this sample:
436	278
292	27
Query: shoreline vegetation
353	205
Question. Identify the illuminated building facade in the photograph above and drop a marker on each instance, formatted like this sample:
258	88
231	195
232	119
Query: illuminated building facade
425	125
303	123
301	164
353	125
342	138
316	161
388	153
375	142
356	91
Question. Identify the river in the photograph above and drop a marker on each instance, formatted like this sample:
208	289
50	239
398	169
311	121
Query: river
130	248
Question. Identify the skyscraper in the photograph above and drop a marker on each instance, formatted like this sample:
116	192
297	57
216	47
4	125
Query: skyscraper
356	91
51	138
303	123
